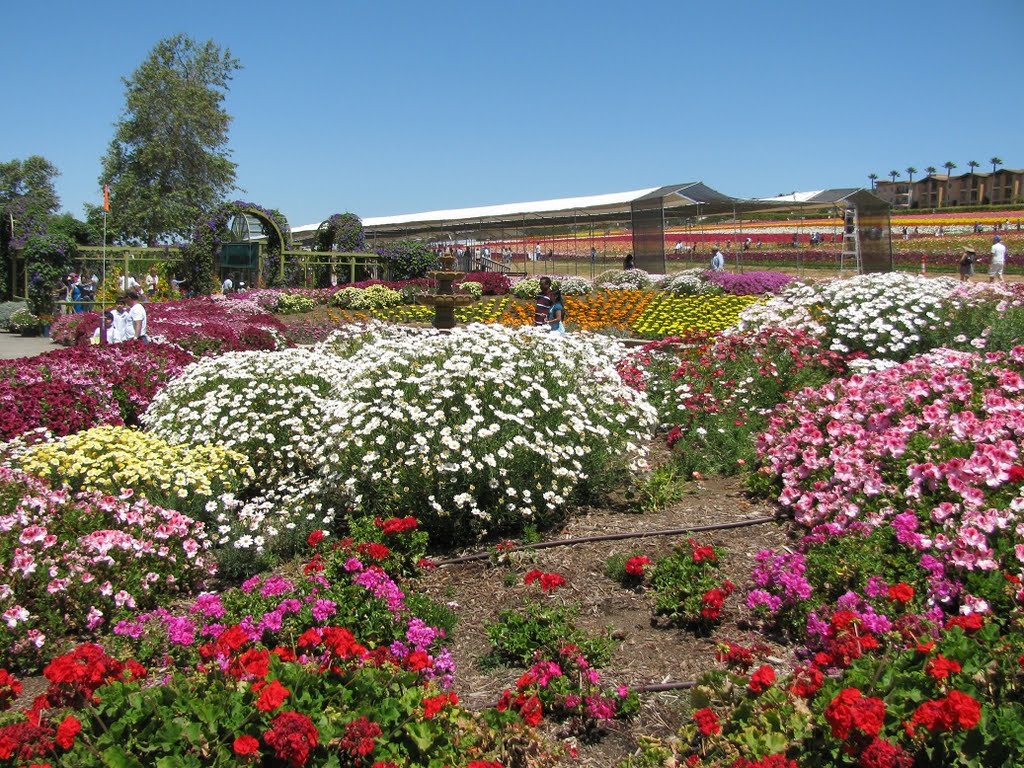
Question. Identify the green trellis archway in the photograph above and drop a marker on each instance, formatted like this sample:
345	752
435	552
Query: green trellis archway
339	252
227	240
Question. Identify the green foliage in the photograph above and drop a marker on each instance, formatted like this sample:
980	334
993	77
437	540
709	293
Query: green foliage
7	309
526	289
407	259
48	259
169	162
197	258
663	486
689	590
21	320
291	304
539	631
28	200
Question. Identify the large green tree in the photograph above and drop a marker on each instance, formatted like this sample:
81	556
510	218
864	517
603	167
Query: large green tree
168	162
28	200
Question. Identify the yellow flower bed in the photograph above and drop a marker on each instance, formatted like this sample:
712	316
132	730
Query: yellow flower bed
109	459
670	315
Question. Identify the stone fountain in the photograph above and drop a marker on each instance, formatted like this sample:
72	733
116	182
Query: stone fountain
444	300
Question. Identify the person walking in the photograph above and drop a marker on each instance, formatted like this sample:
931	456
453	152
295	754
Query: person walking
718	261
998	263
967	260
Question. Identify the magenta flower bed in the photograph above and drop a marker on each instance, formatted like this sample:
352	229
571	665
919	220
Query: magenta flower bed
749	283
68	390
203	326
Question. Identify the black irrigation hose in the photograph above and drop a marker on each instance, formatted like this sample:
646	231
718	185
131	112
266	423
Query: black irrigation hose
616	537
657	687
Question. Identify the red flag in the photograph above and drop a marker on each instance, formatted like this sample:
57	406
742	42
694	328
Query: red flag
106	198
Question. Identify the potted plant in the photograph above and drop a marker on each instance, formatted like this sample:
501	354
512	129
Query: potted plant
24	322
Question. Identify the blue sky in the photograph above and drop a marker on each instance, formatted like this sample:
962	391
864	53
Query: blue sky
384	107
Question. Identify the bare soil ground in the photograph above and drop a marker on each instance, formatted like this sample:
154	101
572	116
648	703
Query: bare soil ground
479	591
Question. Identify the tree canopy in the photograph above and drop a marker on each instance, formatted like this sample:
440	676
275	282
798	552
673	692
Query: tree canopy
27	194
28	200
168	162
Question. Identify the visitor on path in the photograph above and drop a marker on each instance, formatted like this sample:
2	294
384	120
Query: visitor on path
967	264
536	252
998	263
227	286
628	263
718	261
106	332
122	324
137	316
152	280
544	302
556	314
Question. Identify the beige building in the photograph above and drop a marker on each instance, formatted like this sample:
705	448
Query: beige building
938	190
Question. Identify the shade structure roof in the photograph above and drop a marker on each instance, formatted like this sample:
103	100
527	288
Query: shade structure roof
694	196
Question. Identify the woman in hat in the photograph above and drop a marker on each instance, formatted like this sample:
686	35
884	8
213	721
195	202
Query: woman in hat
967	264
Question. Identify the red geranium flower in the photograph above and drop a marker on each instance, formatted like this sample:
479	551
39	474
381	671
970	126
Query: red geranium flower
762	679
635	565
246	745
271	696
292	736
67	730
707	722
940	667
901	593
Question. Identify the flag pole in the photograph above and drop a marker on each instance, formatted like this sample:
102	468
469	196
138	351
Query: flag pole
103	263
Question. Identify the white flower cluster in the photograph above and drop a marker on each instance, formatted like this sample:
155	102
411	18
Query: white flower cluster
262	404
574	286
882	314
480	430
628	279
690	283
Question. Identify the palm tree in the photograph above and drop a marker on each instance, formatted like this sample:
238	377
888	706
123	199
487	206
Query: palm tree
972	164
894	174
996	162
931	170
949	165
873	177
911	170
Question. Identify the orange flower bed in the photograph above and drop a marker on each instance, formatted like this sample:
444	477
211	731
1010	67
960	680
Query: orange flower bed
599	311
607	310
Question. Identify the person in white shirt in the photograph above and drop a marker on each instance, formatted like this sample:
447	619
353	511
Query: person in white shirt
137	316
152	280
122	325
718	261
998	263
227	286
108	332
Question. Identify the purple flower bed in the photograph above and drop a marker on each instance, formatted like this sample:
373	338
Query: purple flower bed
749	283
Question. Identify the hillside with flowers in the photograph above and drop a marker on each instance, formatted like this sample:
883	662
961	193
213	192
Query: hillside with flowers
778	530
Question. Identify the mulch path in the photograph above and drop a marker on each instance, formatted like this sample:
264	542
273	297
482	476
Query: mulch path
646	653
